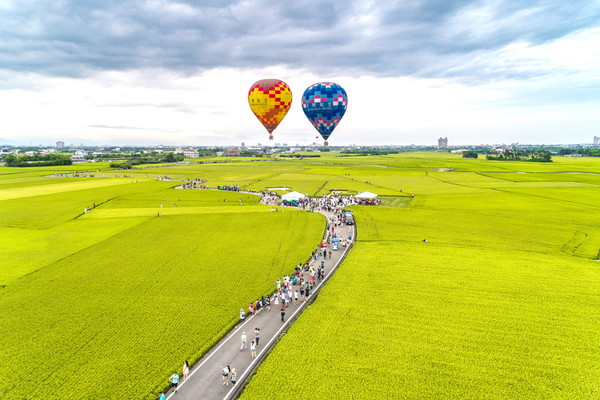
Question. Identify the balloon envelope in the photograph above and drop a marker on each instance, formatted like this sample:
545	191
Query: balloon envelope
324	104
270	100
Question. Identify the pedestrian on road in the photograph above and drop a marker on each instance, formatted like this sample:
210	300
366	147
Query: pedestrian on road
301	293
282	313
257	307
225	374
257	335
253	348
186	370
278	284
244	341
295	297
233	377
174	381
242	314
268	303
251	308
161	396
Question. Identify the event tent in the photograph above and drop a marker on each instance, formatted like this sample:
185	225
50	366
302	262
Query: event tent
292	196
366	195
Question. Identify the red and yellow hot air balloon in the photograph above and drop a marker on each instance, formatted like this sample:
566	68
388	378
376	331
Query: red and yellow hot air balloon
270	100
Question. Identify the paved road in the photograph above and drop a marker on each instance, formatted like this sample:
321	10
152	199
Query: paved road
205	380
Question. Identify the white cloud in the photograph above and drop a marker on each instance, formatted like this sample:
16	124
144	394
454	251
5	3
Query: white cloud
523	89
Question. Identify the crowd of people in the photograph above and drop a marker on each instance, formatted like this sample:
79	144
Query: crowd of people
292	289
328	202
195	184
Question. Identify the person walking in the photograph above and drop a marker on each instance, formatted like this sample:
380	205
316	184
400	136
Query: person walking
256	335
225	374
174	381
186	370
295	297
257	307
282	313
253	348
233	377
242	314
268	303
161	396
244	341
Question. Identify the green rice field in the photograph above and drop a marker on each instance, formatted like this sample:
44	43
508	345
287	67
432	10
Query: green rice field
88	299
501	302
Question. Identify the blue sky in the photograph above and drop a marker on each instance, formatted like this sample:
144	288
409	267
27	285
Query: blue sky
166	72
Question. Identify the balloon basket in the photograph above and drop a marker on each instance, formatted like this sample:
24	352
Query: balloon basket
270	137
326	143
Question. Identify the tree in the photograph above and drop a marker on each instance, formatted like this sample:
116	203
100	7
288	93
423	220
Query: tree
470	154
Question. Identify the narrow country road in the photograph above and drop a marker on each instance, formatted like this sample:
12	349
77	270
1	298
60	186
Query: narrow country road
205	380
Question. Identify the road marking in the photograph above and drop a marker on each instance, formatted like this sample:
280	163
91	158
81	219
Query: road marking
251	366
197	367
276	335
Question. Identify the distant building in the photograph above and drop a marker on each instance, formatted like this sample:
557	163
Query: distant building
60	144
187	153
79	156
243	145
596	139
443	143
295	149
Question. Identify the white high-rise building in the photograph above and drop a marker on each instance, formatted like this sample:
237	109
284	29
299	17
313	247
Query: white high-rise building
443	143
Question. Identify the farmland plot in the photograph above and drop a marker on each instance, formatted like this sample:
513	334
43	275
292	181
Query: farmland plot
500	302
113	296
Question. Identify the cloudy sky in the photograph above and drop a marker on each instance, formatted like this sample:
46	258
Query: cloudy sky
178	72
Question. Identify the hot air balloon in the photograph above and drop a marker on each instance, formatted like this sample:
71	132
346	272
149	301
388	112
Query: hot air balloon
270	100
324	104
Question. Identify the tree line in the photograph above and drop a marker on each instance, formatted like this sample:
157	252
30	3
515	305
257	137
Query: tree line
580	151
36	160
535	155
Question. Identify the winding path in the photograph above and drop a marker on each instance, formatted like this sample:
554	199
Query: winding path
205	380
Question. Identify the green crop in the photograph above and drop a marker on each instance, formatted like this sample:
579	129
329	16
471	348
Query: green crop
500	302
87	298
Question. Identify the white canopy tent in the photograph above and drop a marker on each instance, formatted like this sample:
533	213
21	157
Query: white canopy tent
366	195
292	196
